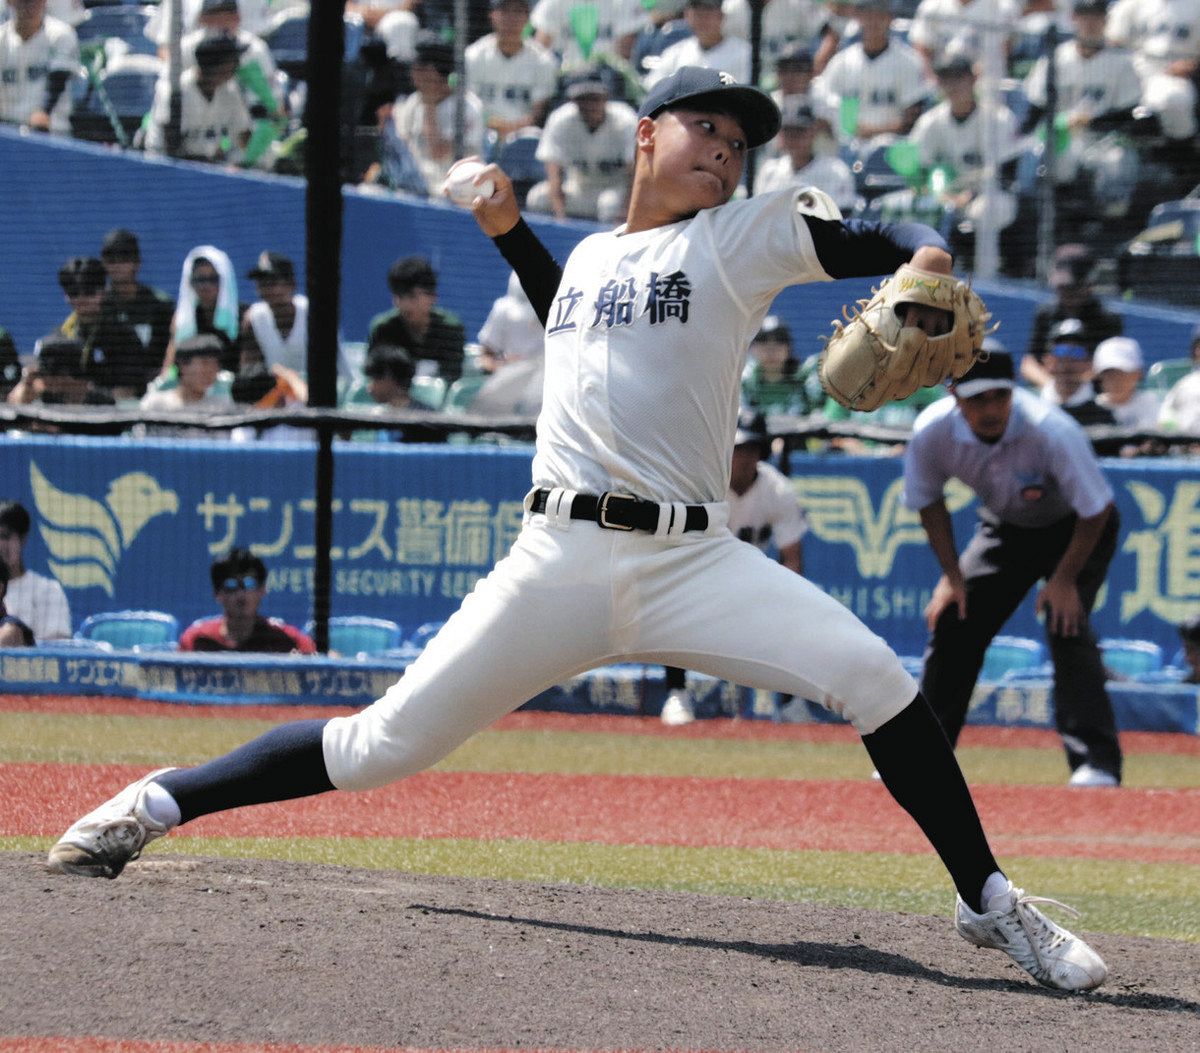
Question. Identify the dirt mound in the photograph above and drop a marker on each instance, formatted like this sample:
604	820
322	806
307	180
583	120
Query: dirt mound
249	951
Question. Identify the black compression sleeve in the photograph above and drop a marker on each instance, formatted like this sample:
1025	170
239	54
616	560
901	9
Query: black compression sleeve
857	248
56	84
537	270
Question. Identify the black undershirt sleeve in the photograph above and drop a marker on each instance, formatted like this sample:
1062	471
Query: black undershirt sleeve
56	83
857	248
537	270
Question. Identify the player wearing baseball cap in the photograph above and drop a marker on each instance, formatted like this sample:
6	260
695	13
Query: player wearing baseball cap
625	553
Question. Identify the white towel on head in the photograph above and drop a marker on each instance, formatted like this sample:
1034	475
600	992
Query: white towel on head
226	316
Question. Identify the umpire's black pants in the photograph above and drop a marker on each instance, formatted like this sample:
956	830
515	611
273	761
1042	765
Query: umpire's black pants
1000	565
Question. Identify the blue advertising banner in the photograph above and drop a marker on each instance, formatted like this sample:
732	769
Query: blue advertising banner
135	524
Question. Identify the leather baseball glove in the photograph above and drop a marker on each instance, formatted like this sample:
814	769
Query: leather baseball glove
875	358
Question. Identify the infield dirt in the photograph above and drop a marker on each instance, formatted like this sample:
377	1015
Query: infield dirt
231	950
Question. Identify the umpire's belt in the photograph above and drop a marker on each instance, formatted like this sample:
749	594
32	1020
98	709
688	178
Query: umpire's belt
615	511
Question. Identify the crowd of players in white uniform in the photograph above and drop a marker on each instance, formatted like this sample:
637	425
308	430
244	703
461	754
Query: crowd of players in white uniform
561	78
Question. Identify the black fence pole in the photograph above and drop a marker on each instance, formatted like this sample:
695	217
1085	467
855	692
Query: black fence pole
323	223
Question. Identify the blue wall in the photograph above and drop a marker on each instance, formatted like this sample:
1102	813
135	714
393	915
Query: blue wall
58	198
126	524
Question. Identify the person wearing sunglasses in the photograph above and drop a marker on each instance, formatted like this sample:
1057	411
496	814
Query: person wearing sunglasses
207	304
239	581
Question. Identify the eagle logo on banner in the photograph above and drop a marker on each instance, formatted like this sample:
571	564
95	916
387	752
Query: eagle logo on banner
86	537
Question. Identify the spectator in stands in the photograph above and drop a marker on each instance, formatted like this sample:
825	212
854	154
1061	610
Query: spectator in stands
147	311
198	362
38	56
1164	36
939	26
1069	361
113	357
13	631
425	120
432	336
1118	369
1098	89
708	46
1181	407
239	582
877	86
763	511
208	303
256	72
774	381
588	151
36	600
1189	635
514	78
215	123
953	139
584	33
389	372
1075	297
786	24
1046	513
275	327
10	363
511	332
58	377
255	16
799	165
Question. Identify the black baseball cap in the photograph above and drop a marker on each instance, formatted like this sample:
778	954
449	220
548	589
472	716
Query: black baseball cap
987	374
1190	630
775	329
272	265
59	355
216	47
1090	7
695	88
120	244
953	64
211	7
795	56
751	428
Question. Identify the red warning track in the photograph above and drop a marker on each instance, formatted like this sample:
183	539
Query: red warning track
747	730
1151	826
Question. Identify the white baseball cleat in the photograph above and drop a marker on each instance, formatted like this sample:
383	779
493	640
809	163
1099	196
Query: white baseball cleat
678	708
1086	775
104	840
1050	954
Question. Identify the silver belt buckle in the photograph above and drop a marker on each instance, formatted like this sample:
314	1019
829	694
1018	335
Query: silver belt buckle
602	511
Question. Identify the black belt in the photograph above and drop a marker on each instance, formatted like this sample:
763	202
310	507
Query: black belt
615	511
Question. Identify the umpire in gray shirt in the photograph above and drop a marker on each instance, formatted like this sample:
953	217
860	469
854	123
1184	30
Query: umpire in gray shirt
1045	512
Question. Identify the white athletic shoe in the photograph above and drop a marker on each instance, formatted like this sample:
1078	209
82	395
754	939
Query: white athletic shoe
1050	954
678	708
104	840
1086	775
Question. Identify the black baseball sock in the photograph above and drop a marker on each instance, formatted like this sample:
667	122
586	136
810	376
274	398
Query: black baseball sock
917	764
283	763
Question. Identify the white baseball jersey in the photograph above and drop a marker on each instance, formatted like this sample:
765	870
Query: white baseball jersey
408	116
783	22
614	19
942	24
1181	408
510	86
827	173
646	342
24	66
1091	85
593	160
732	55
768	512
512	327
41	604
290	351
885	85
942	139
1158	31
211	129
1042	469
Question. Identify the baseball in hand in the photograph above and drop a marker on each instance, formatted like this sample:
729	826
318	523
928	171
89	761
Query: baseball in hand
460	186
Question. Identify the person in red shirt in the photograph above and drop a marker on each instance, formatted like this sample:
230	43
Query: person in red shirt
239	581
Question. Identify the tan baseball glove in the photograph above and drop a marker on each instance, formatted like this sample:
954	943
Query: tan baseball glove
875	358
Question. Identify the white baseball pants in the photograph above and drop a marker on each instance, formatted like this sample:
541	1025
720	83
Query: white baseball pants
571	596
